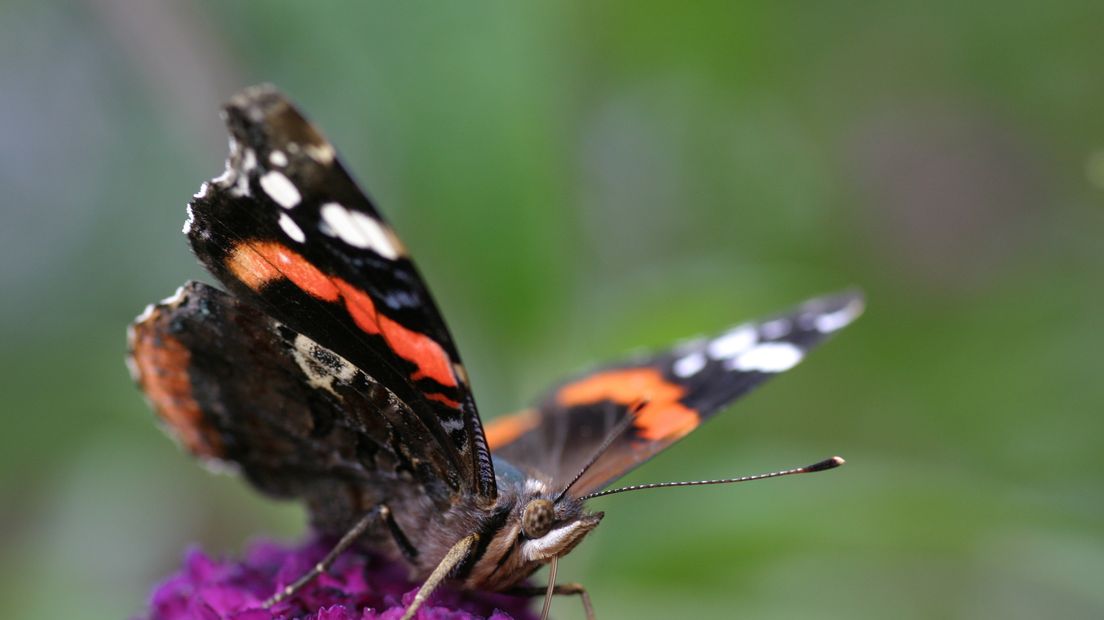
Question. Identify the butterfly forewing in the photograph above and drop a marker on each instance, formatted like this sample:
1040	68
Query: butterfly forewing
669	394
287	228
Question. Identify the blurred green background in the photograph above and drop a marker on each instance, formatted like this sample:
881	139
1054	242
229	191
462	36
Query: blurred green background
577	180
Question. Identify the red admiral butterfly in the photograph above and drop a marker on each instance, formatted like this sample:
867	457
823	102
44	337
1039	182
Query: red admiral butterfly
326	373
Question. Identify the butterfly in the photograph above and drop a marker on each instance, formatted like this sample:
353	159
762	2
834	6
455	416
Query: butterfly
325	372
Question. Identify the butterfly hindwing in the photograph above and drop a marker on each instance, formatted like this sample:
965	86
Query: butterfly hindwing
299	420
669	395
287	228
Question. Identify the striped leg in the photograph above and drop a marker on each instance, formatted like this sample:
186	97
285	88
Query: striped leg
454	556
382	513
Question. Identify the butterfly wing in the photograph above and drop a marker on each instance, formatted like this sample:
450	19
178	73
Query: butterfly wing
286	228
234	385
668	395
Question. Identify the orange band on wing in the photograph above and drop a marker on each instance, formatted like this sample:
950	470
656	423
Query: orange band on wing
431	359
441	398
663	417
668	421
162	364
258	264
251	267
504	430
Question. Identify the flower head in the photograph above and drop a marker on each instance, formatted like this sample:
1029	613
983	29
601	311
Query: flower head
359	586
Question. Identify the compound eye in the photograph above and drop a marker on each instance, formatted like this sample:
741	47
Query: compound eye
537	518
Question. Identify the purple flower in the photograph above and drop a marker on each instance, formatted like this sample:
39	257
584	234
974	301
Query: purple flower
359	586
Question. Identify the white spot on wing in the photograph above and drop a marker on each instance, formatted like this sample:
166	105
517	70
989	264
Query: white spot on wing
249	160
147	312
203	189
321	366
767	357
832	321
228	171
291	228
175	298
277	158
733	343
773	330
689	365
241	188
321	153
235	179
224	178
191	217
357	229
281	189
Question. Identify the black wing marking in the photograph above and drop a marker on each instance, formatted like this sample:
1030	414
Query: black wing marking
286	227
669	394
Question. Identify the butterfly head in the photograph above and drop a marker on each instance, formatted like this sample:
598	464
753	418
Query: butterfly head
551	529
540	528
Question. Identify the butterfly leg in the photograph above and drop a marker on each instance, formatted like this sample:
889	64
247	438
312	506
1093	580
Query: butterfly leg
401	541
381	512
563	589
454	556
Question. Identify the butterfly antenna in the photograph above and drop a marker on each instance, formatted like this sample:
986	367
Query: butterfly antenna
622	425
826	464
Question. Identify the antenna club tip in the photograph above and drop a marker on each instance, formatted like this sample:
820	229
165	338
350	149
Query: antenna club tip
831	463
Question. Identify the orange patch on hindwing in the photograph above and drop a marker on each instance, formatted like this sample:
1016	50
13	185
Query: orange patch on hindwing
662	416
258	264
504	430
162	363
